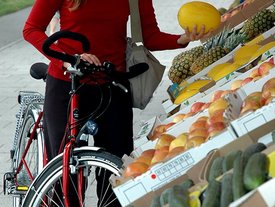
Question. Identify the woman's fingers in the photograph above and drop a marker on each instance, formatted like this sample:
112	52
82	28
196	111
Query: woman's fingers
90	58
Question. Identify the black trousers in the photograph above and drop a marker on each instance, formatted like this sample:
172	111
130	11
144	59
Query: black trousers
115	131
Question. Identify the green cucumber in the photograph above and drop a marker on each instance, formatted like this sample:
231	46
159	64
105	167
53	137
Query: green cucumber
256	171
226	192
187	183
229	160
216	168
155	202
212	194
164	196
252	149
237	181
178	197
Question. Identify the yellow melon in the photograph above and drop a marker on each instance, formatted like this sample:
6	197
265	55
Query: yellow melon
263	49
245	52
199	13
225	71
212	72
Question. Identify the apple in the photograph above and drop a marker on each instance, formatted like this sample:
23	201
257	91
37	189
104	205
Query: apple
144	159
249	106
194	141
135	169
178	117
215	128
254	73
160	129
148	153
217	105
160	155
205	106
271	60
253	97
189	114
216	117
201	132
164	140
256	78
246	81
180	141
265	67
167	126
236	84
175	151
197	124
225	92
268	89
196	107
202	118
216	95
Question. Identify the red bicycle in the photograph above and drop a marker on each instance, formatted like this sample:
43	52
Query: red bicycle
77	167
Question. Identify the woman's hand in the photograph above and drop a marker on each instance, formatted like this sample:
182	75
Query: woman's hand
86	57
193	35
90	58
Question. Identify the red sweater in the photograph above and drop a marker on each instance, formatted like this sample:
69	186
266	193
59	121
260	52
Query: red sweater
103	22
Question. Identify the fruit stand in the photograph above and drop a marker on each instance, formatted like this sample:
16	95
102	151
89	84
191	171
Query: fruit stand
216	147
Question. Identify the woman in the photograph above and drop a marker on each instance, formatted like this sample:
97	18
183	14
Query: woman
104	23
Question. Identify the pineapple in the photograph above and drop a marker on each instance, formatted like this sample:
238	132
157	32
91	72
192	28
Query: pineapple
258	24
217	47
180	69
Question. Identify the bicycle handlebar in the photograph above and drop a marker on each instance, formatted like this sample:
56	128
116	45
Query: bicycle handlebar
83	66
65	34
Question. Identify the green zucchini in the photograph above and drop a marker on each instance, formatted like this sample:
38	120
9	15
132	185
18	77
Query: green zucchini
229	160
252	149
216	168
156	202
237	181
164	196
256	171
178	197
226	192
187	184
212	194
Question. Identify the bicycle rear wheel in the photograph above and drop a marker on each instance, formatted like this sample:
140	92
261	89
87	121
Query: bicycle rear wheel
33	157
92	160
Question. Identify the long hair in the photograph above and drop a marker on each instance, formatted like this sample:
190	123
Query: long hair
75	4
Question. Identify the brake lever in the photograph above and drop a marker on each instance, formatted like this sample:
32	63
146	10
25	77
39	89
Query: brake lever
120	86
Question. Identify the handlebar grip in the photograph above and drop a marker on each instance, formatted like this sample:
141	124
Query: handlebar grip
65	34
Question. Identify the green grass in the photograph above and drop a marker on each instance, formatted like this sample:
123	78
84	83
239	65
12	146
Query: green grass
9	6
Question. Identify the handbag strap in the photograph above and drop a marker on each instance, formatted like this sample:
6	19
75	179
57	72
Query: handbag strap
136	31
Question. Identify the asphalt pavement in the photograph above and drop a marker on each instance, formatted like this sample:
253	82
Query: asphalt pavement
16	57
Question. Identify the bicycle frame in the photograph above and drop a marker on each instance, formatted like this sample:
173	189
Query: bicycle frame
74	130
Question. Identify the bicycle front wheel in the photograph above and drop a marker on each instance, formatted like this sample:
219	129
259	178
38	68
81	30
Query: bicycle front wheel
46	190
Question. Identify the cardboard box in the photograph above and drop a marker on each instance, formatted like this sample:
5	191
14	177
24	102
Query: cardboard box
169	106
263	196
240	143
145	132
192	173
167	171
244	14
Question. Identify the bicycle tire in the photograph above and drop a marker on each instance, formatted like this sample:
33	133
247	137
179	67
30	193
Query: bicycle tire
52	174
34	157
